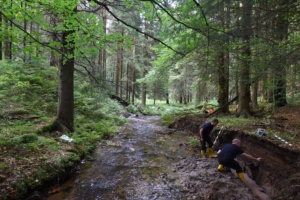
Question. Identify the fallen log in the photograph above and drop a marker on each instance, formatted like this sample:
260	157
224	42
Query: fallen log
220	109
120	100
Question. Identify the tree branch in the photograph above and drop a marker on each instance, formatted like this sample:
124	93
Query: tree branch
135	28
36	40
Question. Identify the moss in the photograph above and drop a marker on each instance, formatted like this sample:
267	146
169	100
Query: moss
2	165
28	138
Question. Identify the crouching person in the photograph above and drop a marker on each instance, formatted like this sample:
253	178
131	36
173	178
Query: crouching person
227	155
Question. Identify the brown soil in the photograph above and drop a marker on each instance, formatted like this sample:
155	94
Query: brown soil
278	174
202	181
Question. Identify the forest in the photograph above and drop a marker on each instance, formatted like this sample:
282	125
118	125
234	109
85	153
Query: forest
80	68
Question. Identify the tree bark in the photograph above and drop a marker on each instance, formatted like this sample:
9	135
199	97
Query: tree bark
65	111
281	34
133	74
127	82
244	83
8	42
1	45
223	61
198	94
167	98
25	37
254	93
144	88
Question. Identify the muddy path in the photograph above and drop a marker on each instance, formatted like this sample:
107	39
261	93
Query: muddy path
142	163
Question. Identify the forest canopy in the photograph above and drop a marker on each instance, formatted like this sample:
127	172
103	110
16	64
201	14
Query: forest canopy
183	51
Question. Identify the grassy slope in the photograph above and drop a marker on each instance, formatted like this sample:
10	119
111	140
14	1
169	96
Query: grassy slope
30	153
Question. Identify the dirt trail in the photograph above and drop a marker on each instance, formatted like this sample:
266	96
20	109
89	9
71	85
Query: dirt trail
139	163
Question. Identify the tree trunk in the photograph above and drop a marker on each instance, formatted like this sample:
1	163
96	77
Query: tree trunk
144	87
104	50
65	110
236	84
127	81
25	36
167	98
254	93
8	42
54	59
198	94
244	83
293	85
1	45
133	74
30	43
281	34
223	62
117	74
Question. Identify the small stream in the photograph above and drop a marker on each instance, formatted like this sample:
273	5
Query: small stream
138	163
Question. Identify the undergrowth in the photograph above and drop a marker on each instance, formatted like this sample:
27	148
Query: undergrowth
28	93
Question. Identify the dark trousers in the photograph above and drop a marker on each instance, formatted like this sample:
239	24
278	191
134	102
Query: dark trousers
231	164
203	143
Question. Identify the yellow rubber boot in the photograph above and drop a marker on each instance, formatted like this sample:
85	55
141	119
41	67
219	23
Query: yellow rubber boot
241	176
211	153
203	153
221	167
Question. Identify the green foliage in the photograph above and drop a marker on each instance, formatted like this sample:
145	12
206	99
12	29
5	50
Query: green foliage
195	143
234	122
28	107
132	109
28	138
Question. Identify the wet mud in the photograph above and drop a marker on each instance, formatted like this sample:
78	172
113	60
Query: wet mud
141	162
276	177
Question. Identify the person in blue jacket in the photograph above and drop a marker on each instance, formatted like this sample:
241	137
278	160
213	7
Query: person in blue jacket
227	154
205	138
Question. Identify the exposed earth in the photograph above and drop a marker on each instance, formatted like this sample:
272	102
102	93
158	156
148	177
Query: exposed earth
279	173
145	160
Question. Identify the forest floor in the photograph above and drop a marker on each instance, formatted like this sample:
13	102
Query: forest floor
26	167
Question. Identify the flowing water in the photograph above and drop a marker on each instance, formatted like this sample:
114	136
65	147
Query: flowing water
138	163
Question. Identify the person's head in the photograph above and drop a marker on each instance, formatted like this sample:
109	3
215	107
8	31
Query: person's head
236	142
215	122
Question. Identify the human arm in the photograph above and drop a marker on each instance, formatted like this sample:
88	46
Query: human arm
251	157
201	134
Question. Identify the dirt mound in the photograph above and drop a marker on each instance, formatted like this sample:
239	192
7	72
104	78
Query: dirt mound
189	123
279	170
202	180
278	173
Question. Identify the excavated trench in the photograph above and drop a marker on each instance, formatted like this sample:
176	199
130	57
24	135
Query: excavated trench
278	173
277	176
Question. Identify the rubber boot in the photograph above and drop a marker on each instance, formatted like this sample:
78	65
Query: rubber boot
203	153
241	176
211	153
221	167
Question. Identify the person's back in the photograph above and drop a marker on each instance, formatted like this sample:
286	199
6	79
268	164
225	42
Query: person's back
229	152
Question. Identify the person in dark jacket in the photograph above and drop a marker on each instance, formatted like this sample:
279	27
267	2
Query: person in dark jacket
204	138
227	154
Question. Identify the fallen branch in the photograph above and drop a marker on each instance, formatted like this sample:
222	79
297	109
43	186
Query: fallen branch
226	105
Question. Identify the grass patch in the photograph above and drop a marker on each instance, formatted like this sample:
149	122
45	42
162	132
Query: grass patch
195	143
